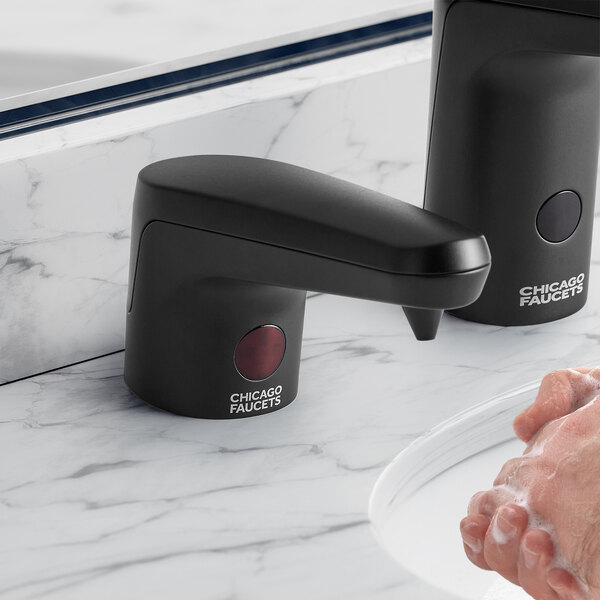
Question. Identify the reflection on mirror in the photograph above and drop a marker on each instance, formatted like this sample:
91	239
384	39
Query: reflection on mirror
65	50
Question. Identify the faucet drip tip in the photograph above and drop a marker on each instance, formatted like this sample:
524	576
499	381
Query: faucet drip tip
424	322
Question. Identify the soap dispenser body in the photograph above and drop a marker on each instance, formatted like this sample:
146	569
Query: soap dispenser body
513	147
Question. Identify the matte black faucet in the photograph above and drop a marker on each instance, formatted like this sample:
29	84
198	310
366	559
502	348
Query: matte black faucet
223	251
513	147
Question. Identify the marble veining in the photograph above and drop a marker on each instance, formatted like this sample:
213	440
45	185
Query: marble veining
103	496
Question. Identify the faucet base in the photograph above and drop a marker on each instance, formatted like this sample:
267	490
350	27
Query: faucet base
204	345
481	314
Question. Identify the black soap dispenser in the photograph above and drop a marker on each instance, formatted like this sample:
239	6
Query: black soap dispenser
513	146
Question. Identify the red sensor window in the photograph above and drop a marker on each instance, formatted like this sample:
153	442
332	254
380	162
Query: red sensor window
260	352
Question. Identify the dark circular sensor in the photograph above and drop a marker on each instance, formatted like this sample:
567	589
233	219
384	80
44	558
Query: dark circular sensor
559	217
260	352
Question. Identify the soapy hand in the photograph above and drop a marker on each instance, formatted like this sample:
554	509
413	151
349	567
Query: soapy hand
561	393
539	526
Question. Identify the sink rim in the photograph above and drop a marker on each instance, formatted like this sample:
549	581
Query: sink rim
443	447
393	476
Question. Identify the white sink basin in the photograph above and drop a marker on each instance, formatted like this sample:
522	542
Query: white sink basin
419	500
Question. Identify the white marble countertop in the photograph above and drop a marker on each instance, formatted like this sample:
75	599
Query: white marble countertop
103	497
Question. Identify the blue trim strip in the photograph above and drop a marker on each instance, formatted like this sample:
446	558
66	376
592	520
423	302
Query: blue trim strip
194	79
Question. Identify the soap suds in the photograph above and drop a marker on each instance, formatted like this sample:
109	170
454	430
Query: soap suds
586	389
589	401
585	386
535	448
476	547
499	536
520	497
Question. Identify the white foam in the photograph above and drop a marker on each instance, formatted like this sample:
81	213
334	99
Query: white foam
499	536
535	448
476	547
590	400
520	497
585	385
